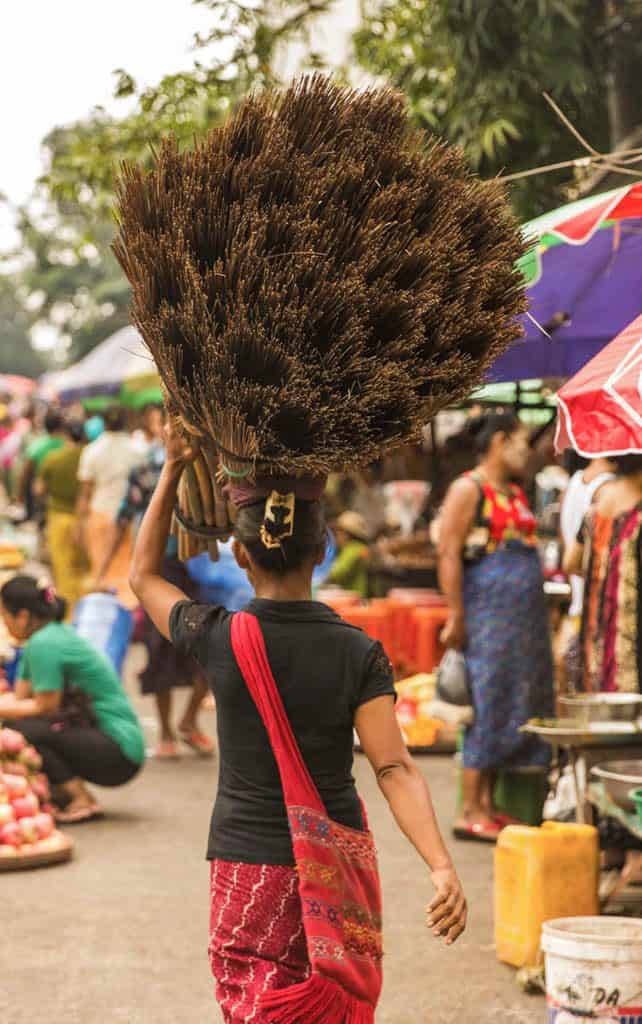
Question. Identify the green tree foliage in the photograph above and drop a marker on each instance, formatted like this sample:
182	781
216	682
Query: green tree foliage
475	70
74	282
245	37
16	352
66	245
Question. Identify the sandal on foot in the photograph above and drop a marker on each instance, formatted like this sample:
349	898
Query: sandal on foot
506	819
198	742
78	817
167	750
478	832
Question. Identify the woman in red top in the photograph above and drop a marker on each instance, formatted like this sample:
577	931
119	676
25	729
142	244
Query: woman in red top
490	572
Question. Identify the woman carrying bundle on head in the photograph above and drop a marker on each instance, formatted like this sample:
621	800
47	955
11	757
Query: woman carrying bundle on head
331	679
314	282
68	702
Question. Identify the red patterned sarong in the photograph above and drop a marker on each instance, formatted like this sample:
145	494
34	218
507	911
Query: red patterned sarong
257	942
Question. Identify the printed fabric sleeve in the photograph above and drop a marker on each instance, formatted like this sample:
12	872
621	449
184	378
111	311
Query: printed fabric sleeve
378	677
193	628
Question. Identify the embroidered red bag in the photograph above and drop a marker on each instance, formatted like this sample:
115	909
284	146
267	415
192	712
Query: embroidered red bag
337	867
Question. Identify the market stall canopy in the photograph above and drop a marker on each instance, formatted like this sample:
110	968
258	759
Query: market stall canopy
120	367
584	278
601	407
533	400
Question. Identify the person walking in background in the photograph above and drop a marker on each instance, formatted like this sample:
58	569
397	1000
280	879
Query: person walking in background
94	427
150	432
35	453
608	553
166	667
57	481
350	567
490	573
9	444
103	472
68	702
583	488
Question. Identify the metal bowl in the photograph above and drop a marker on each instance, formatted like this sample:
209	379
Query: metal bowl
619	778
603	707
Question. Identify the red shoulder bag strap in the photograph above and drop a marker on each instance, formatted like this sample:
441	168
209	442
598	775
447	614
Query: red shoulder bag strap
249	650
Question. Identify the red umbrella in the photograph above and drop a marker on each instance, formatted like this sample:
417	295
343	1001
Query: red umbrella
12	384
600	408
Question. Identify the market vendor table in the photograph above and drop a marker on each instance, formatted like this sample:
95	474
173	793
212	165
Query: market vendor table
585	750
620	886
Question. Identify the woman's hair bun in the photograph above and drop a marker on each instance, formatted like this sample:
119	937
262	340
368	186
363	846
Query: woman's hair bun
482	429
37	596
282	533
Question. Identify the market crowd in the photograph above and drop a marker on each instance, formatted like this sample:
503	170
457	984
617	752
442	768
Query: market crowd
84	483
490	539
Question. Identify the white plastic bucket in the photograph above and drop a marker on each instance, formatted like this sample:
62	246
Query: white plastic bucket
593	970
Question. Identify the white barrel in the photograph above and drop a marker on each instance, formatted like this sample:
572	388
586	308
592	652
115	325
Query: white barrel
593	970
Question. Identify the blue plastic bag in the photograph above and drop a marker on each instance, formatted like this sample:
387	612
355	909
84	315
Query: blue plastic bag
106	624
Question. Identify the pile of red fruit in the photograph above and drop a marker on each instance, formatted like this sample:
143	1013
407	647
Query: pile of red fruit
25	814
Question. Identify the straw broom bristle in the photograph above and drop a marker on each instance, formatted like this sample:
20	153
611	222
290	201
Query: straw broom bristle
316	279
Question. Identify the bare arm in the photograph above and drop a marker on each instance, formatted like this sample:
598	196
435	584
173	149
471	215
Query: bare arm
156	595
120	529
457	517
573	561
26	475
13	707
22	689
39	487
406	791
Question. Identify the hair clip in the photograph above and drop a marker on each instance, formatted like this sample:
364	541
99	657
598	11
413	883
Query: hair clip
278	520
44	587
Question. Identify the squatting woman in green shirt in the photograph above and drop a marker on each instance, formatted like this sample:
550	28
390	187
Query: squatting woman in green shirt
69	702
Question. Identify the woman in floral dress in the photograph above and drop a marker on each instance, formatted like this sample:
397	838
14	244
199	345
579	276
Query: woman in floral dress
490	572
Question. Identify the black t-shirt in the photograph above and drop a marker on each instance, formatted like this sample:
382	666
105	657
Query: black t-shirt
324	669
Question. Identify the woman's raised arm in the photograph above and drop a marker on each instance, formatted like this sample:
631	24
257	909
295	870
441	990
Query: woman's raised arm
156	595
455	520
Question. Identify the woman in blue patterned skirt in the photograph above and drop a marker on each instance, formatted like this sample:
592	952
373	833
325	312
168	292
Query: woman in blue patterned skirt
491	575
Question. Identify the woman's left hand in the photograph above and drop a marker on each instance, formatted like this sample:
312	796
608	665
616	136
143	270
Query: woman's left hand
448	911
454	633
178	451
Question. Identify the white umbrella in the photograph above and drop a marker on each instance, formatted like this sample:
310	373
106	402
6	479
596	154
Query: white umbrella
120	359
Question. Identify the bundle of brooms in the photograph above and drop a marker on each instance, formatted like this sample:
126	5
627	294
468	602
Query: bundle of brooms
315	281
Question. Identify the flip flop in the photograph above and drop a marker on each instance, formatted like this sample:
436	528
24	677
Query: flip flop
477	832
506	819
79	817
167	750
199	742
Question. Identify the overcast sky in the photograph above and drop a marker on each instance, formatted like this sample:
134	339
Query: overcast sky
56	63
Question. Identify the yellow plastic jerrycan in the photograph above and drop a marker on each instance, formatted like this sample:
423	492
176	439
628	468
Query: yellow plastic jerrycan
540	874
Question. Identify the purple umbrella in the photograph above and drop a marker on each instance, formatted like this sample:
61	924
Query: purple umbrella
585	275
